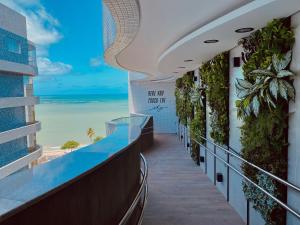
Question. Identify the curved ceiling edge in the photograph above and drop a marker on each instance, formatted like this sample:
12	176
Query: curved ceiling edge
218	22
126	14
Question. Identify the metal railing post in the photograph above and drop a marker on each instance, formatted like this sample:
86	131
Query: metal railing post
248	212
233	153
205	157
215	165
228	180
183	135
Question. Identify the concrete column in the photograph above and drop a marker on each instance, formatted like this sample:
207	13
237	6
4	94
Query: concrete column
294	127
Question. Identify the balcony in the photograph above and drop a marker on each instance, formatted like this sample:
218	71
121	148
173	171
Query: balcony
98	184
101	184
19	132
18	101
17	55
21	162
104	183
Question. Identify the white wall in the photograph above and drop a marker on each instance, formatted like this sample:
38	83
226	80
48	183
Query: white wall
294	127
12	21
156	99
236	194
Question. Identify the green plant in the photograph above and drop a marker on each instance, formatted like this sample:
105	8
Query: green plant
198	124
197	96
90	133
70	145
98	138
258	49
264	133
195	152
269	84
184	106
190	108
215	76
262	202
198	129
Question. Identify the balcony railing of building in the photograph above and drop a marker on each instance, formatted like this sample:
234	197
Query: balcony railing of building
103	183
32	56
19	132
231	153
17	54
21	162
10	102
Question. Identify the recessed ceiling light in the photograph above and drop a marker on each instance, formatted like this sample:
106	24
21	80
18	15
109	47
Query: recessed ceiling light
211	41
188	60
244	30
181	67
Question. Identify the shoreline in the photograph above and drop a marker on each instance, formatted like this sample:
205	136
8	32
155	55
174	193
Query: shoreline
53	152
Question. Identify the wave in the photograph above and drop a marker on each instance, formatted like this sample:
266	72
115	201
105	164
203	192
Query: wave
81	99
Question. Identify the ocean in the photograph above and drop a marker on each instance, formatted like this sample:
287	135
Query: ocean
67	117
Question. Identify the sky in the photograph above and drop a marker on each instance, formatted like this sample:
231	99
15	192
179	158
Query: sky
68	36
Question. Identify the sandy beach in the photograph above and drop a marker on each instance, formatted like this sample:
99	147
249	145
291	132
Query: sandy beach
50	153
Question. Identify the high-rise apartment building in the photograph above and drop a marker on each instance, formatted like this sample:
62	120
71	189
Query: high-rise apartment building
18	147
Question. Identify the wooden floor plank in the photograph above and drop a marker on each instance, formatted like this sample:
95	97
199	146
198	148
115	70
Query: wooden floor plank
179	192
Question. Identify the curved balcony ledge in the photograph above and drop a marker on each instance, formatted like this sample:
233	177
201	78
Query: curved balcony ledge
93	185
18	68
18	101
19	132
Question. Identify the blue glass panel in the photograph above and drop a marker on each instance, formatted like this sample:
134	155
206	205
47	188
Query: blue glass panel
11	85
13	150
13	47
11	118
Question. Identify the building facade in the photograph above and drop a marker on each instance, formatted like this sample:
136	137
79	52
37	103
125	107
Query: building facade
18	146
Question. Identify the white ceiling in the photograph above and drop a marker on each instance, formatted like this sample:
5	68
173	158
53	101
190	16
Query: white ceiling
174	30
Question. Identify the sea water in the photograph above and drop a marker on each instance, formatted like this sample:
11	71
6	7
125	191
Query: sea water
68	117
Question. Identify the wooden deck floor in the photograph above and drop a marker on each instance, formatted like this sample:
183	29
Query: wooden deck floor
179	193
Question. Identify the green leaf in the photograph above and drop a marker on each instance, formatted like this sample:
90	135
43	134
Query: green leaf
283	89
270	101
274	88
255	105
263	72
280	64
243	83
285	73
267	79
242	93
290	89
262	91
238	103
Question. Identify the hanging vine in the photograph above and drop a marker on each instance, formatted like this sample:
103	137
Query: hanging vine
263	106
215	76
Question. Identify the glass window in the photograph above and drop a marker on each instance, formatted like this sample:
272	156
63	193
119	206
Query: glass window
13	45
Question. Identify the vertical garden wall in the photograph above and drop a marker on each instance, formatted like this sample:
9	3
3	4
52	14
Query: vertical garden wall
263	106
215	77
190	109
264	93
